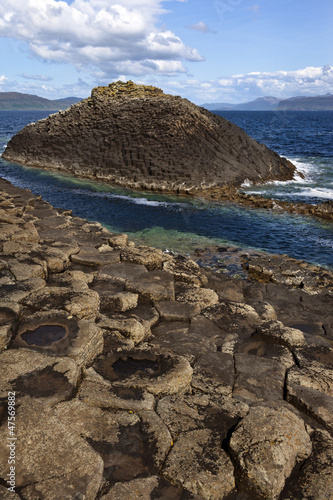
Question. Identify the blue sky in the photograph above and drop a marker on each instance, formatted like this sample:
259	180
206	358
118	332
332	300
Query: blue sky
207	51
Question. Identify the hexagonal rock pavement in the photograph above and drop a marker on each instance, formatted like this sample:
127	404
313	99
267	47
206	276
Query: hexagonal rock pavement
139	375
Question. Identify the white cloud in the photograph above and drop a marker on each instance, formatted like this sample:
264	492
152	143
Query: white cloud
247	87
232	89
226	82
79	88
284	84
42	78
201	26
254	8
101	35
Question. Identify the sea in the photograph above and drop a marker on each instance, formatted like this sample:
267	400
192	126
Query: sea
183	225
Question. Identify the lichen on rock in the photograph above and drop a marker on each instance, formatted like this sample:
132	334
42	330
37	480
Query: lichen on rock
120	89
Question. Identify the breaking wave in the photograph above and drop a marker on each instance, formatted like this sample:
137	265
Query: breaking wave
317	193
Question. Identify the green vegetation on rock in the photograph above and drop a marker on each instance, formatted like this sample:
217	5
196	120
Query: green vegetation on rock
121	89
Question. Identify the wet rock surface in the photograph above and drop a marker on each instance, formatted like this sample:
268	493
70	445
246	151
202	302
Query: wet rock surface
140	375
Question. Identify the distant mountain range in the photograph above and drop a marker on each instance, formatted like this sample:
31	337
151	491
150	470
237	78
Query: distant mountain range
16	101
268	103
318	103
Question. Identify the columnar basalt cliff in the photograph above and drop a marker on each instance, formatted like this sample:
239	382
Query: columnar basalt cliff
139	137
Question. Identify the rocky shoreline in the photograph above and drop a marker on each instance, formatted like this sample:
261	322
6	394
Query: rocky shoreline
141	375
137	137
323	210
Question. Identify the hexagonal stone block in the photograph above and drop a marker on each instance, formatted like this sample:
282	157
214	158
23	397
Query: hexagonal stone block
151	258
198	463
34	375
53	462
266	446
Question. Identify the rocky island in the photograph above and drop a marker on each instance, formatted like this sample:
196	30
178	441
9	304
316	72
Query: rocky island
137	136
135	374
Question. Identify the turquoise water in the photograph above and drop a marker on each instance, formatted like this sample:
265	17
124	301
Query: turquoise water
176	223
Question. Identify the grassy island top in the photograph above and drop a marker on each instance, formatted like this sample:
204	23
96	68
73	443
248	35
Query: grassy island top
128	89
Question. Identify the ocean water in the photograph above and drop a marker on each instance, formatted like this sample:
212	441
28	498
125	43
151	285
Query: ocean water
305	138
181	224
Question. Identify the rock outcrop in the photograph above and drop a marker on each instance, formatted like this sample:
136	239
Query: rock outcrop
322	210
139	137
134	374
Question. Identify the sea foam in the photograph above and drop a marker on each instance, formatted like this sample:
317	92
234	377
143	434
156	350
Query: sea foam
137	200
317	193
307	169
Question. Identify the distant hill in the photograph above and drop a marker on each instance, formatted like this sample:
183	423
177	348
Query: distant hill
317	103
269	103
17	101
217	106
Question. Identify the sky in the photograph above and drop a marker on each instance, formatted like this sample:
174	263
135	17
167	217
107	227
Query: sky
226	51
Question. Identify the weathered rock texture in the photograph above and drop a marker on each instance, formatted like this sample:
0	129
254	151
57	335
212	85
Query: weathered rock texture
140	375
137	136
